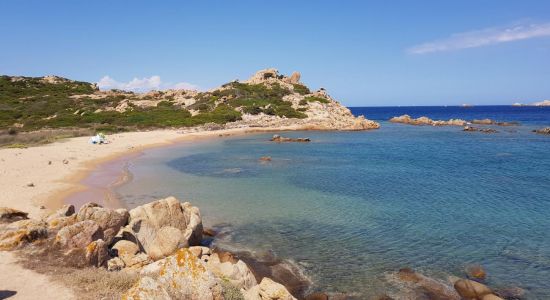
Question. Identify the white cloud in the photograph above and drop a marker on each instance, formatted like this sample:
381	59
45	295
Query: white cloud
142	84
484	37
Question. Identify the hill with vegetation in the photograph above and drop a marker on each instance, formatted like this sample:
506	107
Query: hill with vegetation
267	99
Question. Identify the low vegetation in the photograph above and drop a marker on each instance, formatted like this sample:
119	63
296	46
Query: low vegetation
33	103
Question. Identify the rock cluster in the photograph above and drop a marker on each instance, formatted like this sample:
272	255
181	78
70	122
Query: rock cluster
493	122
484	130
542	130
457	288
278	138
160	240
406	119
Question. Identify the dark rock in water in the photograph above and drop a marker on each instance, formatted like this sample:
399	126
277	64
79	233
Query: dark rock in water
511	293
484	130
542	130
476	272
227	257
209	232
278	138
317	296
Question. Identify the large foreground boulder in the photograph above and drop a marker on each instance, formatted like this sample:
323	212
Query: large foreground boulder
163	226
110	221
180	276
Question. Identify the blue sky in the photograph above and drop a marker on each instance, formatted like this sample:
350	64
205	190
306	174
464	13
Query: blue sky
366	53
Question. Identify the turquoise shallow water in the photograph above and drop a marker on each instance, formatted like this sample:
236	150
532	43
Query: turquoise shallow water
350	208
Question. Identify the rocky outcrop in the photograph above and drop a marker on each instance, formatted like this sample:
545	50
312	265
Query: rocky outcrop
109	221
278	138
21	232
179	276
406	119
542	103
163	226
542	130
8	215
328	115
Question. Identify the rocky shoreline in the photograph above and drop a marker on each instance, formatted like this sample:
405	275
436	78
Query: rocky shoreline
160	241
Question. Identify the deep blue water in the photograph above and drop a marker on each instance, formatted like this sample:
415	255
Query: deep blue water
531	115
351	208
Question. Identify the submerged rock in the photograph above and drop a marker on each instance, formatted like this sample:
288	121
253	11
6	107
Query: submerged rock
179	276
434	289
319	296
163	226
476	272
470	289
8	215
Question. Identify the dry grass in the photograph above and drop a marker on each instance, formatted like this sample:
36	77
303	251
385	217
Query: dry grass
12	139
88	283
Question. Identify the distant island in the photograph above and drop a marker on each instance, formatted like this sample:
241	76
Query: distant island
540	103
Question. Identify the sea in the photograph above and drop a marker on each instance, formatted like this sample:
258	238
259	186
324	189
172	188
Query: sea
349	209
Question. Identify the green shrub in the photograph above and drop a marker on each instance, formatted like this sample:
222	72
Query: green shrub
316	99
301	89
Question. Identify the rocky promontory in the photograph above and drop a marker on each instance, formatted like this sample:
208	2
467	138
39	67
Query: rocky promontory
159	243
268	99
